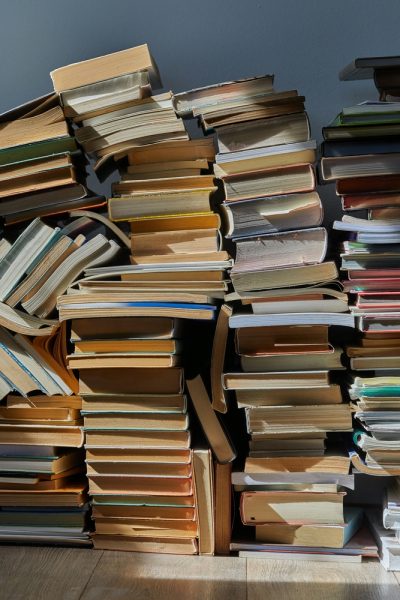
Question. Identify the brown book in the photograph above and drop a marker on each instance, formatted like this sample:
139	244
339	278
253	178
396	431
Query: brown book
42	435
223	508
39	181
255	341
173	151
324	464
145	500
136	421
205	220
179	546
132	381
73	493
146	527
159	457
100	68
176	243
177	440
218	393
144	403
137	469
210	424
138	328
120	360
42	401
160	184
253	112
37	415
204	485
128	484
363	185
141	346
42	126
173	513
173	258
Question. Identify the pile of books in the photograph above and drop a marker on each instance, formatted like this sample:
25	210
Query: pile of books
109	99
40	264
42	172
129	330
361	153
290	298
42	483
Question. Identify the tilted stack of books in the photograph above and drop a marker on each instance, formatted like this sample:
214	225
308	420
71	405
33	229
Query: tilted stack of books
109	99
290	295
42	172
361	154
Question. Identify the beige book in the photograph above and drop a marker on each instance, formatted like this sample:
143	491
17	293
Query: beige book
292	507
204	485
179	546
100	68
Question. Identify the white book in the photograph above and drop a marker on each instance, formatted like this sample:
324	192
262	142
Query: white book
267	320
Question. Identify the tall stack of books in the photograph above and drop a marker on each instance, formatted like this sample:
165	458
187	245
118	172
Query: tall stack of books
42	172
291	487
129	329
361	153
109	99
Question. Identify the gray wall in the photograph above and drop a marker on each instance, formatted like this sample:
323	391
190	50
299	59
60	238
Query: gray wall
304	42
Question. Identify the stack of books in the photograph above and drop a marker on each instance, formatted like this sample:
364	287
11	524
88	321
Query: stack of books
361	154
42	172
138	457
150	491
42	484
40	264
289	298
109	99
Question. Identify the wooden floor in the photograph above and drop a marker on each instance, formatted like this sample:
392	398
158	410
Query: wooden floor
63	574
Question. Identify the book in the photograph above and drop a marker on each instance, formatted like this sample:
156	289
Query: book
223	507
288	129
204	483
264	158
105	67
210	424
260	216
291	507
364	67
187	102
270	182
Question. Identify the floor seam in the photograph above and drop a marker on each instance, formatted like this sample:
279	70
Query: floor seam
91	575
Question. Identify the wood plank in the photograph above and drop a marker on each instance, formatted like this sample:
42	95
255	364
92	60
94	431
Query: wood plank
42	573
125	575
296	580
